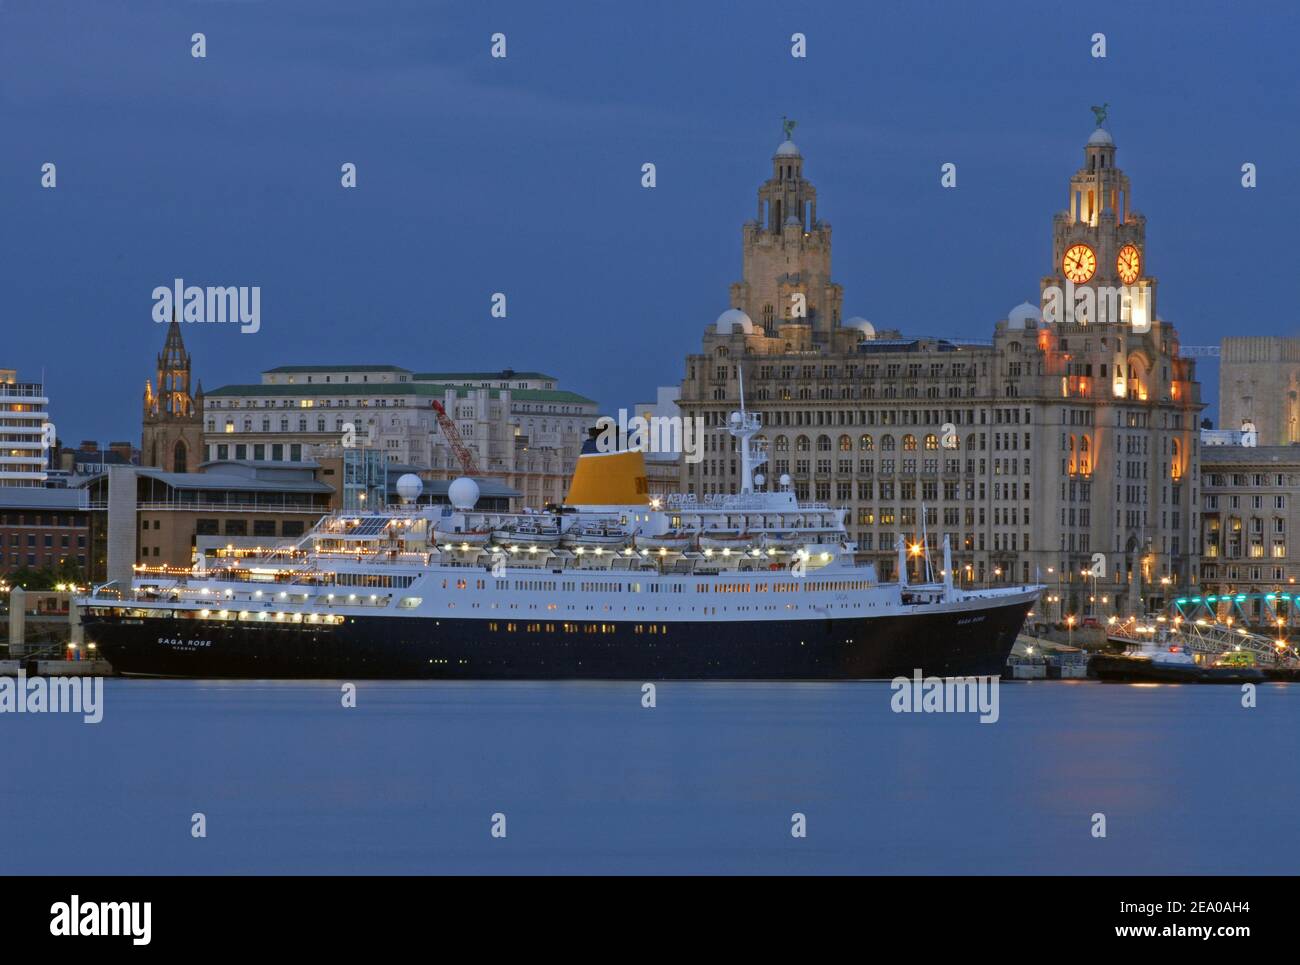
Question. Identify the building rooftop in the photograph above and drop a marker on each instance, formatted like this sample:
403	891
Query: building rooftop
1240	455
36	497
459	377
242	476
257	464
425	390
108	456
291	369
234	482
920	343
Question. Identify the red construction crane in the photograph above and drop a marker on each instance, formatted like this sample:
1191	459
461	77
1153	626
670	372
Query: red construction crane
449	430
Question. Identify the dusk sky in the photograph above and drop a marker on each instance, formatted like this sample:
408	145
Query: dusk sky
479	175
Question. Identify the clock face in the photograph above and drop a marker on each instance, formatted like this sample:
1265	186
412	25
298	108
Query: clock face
1128	264
1079	263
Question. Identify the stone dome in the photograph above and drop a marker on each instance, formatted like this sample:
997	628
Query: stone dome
1022	314
1101	136
788	149
730	319
861	324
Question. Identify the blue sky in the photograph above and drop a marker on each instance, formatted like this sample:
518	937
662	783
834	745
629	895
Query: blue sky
523	175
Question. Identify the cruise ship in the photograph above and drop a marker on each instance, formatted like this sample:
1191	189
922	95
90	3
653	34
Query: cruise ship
612	585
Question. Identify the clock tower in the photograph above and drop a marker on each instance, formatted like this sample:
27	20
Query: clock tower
786	283
1099	244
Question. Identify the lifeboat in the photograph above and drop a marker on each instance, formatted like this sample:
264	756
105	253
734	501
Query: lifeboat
603	535
459	538
676	541
528	533
714	540
783	541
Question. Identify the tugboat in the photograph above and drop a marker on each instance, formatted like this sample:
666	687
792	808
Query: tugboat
1175	665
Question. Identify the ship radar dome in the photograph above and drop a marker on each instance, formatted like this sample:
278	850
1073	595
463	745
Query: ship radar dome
785	480
1022	314
730	319
463	493
409	487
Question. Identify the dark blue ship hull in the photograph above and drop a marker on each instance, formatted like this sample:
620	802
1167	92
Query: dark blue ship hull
962	643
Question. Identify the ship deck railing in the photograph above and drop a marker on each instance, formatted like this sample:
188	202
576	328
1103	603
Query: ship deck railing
308	568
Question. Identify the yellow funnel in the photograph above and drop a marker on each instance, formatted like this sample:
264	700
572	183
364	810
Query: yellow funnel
609	479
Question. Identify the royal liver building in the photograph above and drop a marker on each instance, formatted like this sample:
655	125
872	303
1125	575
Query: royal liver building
1067	443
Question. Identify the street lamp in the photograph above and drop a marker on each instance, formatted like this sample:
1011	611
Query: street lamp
1069	622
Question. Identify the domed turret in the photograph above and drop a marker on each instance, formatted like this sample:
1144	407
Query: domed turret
1101	137
732	318
862	325
1024	313
788	148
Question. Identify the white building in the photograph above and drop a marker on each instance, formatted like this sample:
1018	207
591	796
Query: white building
663	469
23	414
517	426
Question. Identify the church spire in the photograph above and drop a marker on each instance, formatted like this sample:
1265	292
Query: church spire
172	436
173	374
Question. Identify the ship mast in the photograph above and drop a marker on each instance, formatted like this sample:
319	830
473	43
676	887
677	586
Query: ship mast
743	426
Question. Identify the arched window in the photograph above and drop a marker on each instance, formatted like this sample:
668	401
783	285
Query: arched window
931	441
866	444
782	443
823	443
801	444
179	457
909	443
887	443
846	444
